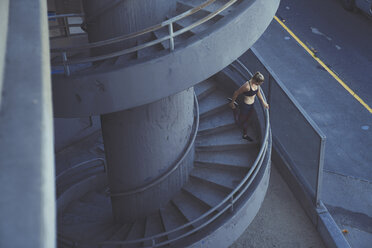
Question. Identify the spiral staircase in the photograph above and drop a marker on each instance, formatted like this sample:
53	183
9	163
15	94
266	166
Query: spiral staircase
228	170
229	178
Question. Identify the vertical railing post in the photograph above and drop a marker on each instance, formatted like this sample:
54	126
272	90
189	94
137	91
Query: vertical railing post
65	65
232	204
171	40
67	29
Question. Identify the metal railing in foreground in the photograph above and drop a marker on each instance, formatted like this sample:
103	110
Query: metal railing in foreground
212	214
170	37
295	135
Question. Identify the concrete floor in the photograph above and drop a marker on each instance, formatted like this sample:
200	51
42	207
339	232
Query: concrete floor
281	222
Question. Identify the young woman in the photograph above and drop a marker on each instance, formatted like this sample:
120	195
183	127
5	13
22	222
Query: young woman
250	89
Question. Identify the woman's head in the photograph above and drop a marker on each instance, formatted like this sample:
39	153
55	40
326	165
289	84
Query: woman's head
258	78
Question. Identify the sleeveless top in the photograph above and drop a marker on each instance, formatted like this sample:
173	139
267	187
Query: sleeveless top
250	92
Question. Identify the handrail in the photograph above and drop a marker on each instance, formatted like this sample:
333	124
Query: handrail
138	33
169	37
81	164
66	15
246	182
175	167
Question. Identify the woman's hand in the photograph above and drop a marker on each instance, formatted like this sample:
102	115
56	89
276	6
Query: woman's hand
232	105
266	106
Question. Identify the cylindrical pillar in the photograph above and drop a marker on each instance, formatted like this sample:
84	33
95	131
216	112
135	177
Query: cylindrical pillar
143	144
109	19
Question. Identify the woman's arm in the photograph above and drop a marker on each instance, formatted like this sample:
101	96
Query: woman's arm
236	94
262	100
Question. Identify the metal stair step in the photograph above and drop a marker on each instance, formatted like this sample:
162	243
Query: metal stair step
225	179
213	103
211	196
239	158
204	88
189	207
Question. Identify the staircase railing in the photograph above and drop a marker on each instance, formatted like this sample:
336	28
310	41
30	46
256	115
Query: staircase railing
227	204
66	61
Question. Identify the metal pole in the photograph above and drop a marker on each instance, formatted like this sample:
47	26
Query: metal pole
269	91
65	65
67	29
232	204
171	40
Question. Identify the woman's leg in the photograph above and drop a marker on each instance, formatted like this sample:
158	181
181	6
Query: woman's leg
244	121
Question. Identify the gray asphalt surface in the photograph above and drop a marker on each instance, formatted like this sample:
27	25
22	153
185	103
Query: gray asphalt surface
281	222
343	41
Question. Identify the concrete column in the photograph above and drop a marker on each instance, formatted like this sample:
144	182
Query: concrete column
143	143
124	18
27	202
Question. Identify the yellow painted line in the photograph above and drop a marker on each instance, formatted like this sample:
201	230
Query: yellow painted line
324	66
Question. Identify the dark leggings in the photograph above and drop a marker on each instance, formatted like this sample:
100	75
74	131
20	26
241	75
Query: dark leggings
242	116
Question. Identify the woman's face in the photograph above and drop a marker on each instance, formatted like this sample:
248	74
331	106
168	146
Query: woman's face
256	83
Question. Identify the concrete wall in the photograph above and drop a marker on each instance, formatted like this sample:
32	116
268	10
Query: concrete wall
4	9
